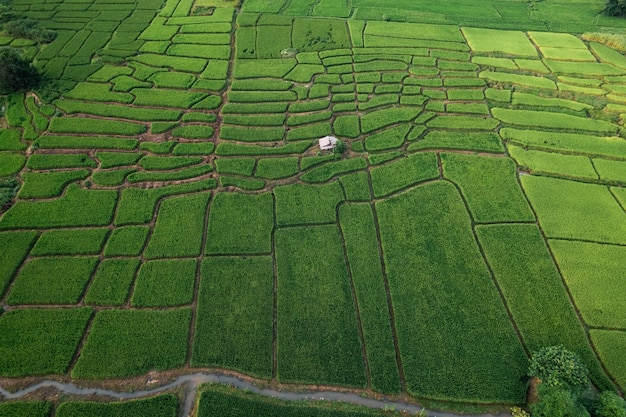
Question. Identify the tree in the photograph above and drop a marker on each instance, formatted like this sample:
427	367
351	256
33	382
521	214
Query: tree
609	404
29	29
557	401
615	7
16	73
556	366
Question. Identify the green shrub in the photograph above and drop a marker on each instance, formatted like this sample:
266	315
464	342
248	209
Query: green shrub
557	367
557	401
609	404
16	72
28	29
614	8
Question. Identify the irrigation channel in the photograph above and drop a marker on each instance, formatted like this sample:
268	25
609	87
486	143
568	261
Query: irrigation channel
193	381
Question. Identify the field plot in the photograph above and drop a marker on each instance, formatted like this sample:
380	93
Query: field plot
165	205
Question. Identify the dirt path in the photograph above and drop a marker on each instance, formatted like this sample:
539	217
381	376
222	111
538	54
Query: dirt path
191	383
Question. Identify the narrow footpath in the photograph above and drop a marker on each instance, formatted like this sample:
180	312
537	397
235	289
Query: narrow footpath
193	381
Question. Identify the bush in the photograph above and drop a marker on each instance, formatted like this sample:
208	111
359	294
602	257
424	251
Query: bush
557	367
5	14
609	404
28	28
16	73
557	401
615	8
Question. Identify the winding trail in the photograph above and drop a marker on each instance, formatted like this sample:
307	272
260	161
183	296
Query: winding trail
191	383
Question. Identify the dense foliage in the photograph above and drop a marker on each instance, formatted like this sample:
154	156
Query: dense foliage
16	72
556	366
615	8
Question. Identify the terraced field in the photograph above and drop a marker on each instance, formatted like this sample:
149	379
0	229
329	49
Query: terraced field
172	210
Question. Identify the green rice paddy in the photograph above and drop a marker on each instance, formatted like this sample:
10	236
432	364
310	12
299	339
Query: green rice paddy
166	207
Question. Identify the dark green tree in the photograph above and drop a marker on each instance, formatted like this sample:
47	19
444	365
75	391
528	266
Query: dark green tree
16	73
557	401
609	404
615	7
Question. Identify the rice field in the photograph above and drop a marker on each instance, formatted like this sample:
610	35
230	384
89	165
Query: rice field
166	206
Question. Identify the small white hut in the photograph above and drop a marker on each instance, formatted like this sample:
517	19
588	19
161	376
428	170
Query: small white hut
328	143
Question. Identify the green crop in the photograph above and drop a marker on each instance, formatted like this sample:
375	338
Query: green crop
112	282
243	314
179	227
307	204
311	303
489	187
134	341
58	280
40	341
359	233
